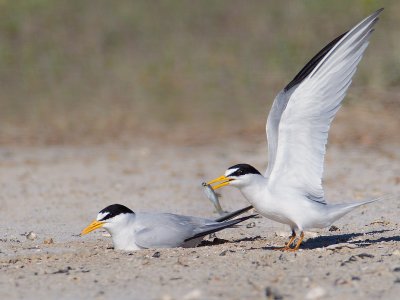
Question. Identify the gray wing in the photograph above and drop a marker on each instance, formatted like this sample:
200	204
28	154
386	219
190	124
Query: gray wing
214	227
165	230
170	230
304	124
282	99
274	117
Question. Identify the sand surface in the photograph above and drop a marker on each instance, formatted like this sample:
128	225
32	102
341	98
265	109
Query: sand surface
56	191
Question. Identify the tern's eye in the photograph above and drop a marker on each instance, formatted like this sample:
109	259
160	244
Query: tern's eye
239	172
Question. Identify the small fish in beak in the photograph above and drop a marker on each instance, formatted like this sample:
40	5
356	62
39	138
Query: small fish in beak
214	198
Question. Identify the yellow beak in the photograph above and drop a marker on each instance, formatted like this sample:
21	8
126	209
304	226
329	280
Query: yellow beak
92	226
223	181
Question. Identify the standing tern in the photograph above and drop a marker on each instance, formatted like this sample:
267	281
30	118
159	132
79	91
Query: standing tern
290	192
134	231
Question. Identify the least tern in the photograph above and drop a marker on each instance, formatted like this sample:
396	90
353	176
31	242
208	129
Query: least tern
134	231
290	192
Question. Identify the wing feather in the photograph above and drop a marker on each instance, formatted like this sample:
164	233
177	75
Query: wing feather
165	230
301	129
282	99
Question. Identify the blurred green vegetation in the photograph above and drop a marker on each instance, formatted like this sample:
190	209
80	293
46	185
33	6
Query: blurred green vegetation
79	71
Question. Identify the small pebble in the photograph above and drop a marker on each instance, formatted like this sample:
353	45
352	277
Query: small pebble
316	293
272	294
193	295
341	281
365	255
183	262
351	259
334	228
341	246
31	236
223	253
156	254
63	271
380	222
48	241
251	225
282	234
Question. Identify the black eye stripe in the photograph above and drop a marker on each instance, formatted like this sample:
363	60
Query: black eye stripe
114	210
243	169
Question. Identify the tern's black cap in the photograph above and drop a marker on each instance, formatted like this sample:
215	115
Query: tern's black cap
114	210
243	169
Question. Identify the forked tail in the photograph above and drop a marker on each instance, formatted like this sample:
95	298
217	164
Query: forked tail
336	211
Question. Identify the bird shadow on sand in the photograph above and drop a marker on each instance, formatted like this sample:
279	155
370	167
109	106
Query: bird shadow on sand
321	241
218	241
349	238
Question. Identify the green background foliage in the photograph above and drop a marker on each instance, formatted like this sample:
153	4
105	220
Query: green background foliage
100	70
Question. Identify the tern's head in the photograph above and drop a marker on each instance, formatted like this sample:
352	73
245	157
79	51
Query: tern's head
238	176
111	217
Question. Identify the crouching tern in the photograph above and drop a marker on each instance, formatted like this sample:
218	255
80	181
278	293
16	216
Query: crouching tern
290	192
134	231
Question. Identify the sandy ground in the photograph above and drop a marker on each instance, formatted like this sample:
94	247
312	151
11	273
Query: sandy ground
56	191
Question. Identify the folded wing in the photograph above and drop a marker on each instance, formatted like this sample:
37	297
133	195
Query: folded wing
165	230
170	230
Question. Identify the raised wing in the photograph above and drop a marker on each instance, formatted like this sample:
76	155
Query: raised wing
308	110
281	100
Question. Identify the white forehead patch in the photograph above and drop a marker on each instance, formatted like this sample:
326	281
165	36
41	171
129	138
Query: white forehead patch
230	171
100	216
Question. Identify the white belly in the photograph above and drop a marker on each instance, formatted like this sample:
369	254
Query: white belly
274	213
295	211
125	245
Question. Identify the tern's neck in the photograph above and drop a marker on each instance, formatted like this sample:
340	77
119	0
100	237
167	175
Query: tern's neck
123	234
256	187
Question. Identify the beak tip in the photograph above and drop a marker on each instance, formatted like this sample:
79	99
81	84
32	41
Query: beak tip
222	181
92	226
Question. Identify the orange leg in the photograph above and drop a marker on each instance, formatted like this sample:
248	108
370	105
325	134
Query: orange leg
287	246
298	243
292	237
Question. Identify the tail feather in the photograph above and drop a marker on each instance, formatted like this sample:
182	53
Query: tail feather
218	226
336	211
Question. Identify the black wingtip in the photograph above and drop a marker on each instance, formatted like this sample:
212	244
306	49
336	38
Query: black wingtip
228	224
233	214
310	66
245	218
312	63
